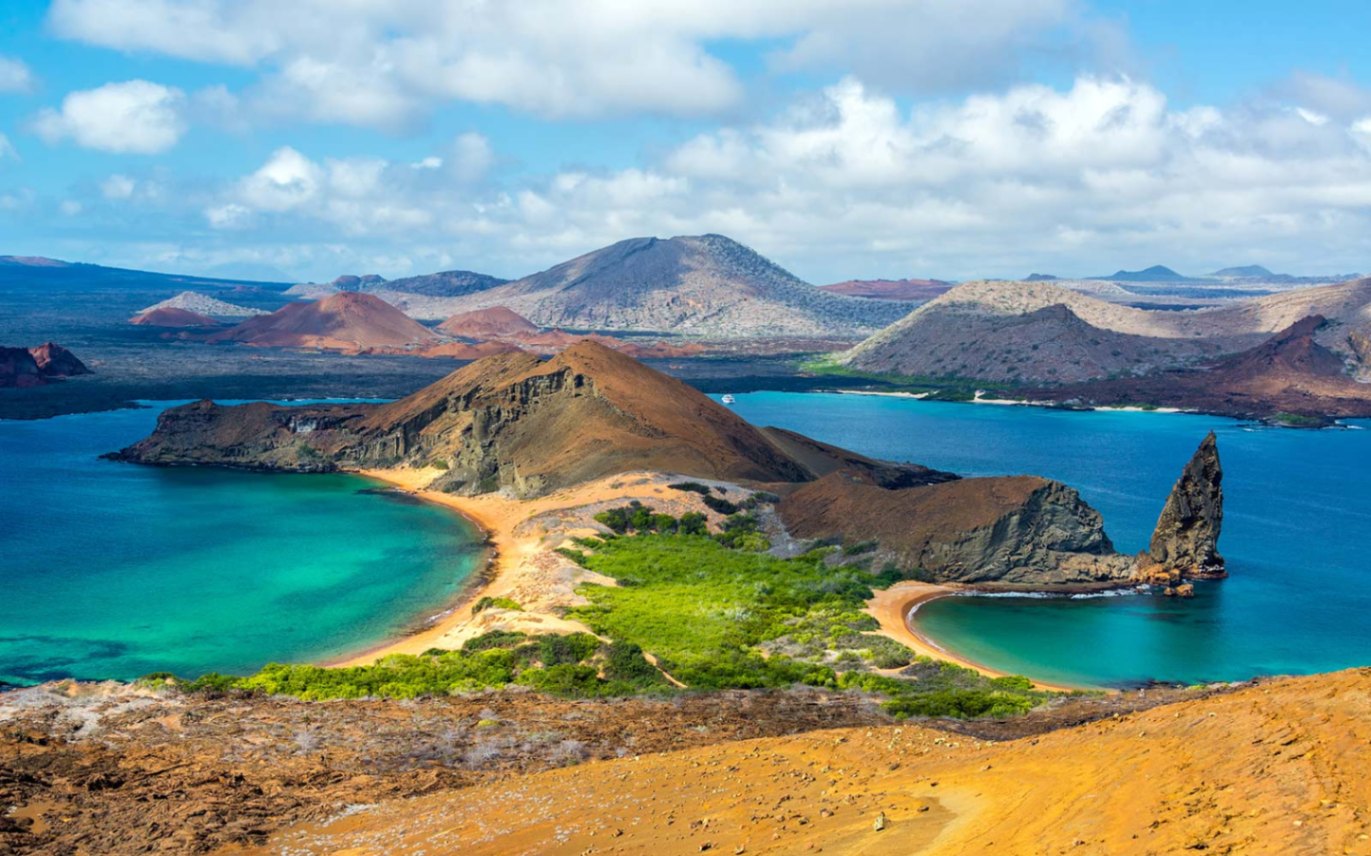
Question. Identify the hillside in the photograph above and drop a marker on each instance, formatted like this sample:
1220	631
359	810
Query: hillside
497	322
170	316
1278	767
1044	332
509	421
345	321
202	304
1290	373
707	285
912	290
1047	344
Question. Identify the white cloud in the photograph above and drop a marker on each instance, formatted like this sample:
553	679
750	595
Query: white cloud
134	117
15	76
118	187
472	157
1100	175
70	207
7	150
385	64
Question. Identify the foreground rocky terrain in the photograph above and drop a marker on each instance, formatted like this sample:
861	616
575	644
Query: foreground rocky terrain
114	769
1273	768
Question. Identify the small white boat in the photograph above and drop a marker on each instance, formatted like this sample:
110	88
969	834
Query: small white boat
728	399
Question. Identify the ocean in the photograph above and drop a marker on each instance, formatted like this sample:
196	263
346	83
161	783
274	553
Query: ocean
113	570
1297	535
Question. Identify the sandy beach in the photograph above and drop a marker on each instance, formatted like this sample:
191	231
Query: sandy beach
524	567
523	535
890	607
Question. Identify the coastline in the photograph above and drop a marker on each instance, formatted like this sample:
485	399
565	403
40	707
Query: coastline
513	549
522	565
891	607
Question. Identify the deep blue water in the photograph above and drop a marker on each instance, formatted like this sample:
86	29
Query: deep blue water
1297	535
112	570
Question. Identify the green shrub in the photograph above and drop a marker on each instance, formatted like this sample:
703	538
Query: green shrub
489	602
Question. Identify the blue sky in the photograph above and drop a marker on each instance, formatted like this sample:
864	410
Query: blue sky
947	138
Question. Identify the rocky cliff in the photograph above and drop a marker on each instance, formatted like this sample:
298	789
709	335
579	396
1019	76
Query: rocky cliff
1185	544
1021	531
509	422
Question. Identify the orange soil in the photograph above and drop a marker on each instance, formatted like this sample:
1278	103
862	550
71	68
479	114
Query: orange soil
1278	768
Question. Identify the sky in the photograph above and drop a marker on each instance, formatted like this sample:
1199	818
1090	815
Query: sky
954	139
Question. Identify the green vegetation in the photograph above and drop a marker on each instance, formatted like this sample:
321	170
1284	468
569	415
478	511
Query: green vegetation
715	611
576	665
1297	420
495	603
720	618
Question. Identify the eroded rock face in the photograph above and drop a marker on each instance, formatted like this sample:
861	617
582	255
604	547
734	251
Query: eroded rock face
1020	531
1185	544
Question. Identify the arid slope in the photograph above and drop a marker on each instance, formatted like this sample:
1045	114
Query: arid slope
705	285
344	321
1276	768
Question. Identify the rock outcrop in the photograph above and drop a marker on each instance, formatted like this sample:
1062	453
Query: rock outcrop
1020	531
1185	544
37	366
509	422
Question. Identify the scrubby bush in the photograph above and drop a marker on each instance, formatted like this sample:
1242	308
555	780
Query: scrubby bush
488	602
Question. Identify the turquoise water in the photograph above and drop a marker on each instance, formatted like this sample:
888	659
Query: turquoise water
1297	535
111	570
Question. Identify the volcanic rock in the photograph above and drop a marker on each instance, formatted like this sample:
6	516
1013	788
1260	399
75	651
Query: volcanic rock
170	316
53	360
30	367
705	285
1019	530
1186	540
346	321
497	322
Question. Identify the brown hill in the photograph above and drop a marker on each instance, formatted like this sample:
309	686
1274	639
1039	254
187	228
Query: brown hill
705	285
170	316
497	322
510	421
912	290
1289	373
347	321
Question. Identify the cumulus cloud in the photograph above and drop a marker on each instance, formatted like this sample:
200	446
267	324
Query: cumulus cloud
386	64
134	117
1079	180
15	76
